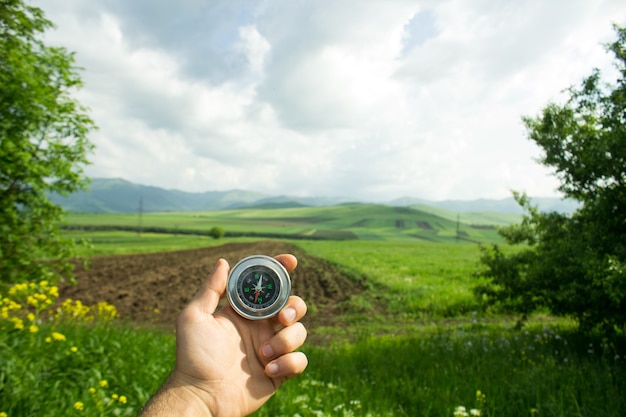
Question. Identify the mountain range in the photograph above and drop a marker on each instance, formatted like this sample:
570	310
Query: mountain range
116	195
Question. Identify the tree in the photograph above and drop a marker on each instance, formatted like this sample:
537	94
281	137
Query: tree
217	232
43	145
573	265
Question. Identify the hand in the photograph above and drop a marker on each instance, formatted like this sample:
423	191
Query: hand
227	365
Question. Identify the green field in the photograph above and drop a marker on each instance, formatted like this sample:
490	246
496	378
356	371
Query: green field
429	350
344	222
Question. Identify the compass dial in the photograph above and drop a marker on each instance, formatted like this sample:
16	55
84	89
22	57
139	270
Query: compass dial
258	287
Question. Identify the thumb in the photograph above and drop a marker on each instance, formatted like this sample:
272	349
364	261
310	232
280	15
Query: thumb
213	288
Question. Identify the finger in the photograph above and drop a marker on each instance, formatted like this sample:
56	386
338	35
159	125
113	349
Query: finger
289	261
286	341
293	311
287	366
213	288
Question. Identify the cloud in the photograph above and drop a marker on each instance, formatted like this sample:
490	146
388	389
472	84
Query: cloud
334	69
364	99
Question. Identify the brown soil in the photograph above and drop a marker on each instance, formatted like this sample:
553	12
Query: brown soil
154	288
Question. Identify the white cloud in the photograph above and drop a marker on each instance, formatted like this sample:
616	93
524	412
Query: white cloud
254	46
364	99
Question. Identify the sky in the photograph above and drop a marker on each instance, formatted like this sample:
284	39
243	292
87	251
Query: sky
365	99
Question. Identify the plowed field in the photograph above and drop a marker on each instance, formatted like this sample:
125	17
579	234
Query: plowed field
154	288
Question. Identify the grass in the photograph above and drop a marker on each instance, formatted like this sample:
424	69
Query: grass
445	356
442	273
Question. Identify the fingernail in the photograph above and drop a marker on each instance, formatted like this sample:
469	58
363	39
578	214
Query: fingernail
272	369
289	314
267	351
216	264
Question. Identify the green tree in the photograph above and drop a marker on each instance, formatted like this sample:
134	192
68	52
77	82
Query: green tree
217	232
43	145
573	265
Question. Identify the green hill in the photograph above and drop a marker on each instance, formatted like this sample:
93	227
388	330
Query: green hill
343	222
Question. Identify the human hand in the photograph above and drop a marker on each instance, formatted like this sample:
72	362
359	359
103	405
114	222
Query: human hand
227	365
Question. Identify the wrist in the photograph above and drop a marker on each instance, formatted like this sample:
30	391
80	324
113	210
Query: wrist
179	398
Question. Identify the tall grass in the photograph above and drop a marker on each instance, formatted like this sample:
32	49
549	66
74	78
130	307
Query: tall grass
494	371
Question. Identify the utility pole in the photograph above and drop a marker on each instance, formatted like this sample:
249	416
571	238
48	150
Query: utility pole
140	216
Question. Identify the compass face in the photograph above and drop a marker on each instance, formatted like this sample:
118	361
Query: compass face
258	287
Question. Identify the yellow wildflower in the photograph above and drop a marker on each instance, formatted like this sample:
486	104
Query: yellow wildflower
3	414
12	305
106	311
79	405
104	383
54	291
42	298
115	396
58	336
18	288
122	399
92	390
74	349
32	301
481	398
18	323
30	317
33	328
48	339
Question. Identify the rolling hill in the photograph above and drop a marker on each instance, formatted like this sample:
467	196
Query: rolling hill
116	195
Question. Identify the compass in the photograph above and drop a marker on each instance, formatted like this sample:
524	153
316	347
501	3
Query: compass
258	287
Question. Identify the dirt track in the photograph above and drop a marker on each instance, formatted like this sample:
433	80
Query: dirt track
153	288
